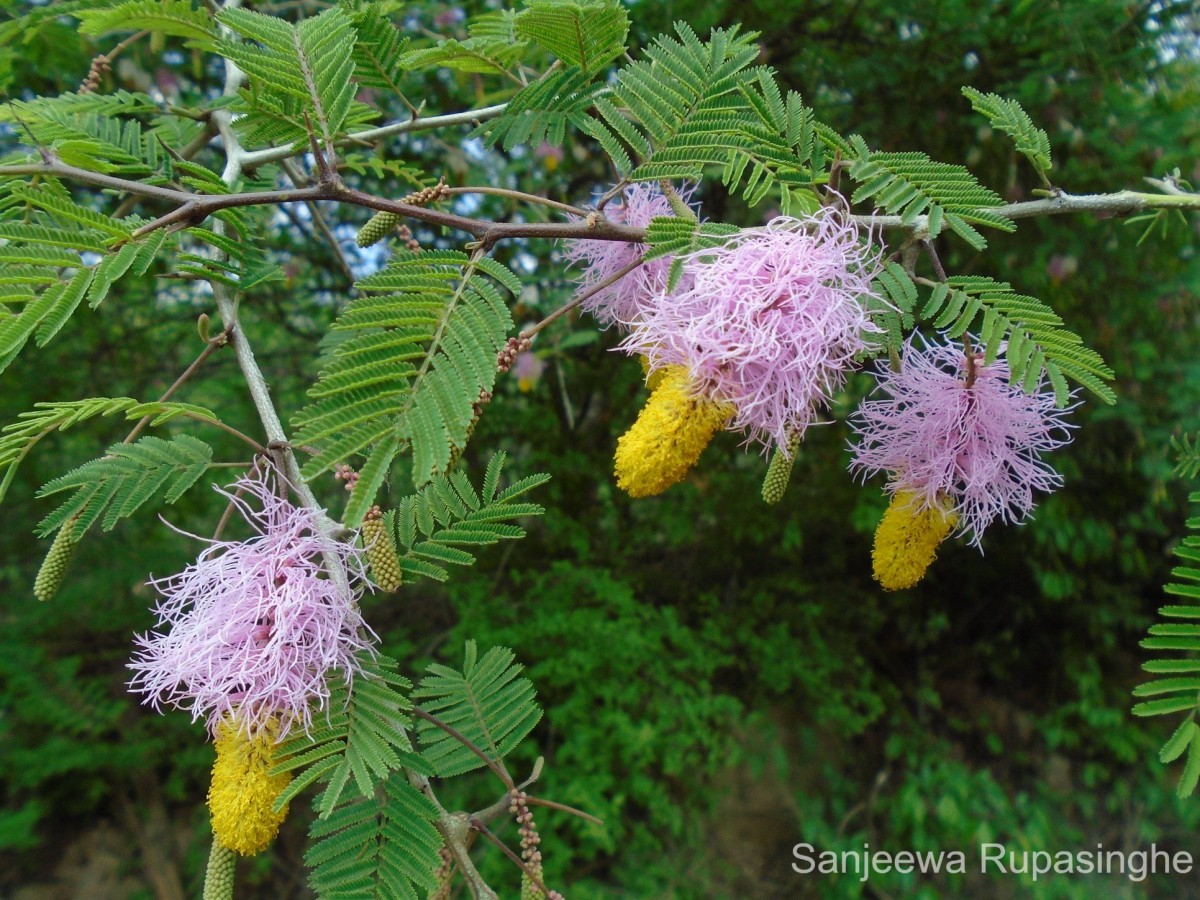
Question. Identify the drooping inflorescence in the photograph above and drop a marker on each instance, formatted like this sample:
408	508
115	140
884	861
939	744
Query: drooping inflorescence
907	539
772	322
243	792
253	628
949	429
668	437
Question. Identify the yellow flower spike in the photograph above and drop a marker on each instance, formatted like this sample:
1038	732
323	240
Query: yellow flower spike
242	792
907	539
668	437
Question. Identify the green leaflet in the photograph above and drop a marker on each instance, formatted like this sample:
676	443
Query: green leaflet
298	74
126	479
1008	116
433	526
422	342
488	702
1176	687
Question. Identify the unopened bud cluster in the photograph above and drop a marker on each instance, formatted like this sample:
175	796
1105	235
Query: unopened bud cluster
425	196
508	354
101	66
779	471
381	553
54	566
530	839
443	875
218	877
382	224
346	474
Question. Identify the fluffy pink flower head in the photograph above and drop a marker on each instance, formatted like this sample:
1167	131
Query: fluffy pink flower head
979	445
771	322
623	302
254	626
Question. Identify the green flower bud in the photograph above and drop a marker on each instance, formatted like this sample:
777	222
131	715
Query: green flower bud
377	228
54	566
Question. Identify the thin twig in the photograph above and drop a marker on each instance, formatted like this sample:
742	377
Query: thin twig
525	867
562	807
211	347
575	301
519	196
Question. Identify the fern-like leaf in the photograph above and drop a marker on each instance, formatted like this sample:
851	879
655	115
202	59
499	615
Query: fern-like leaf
363	738
129	477
493	47
1187	459
383	846
1007	115
667	116
296	71
587	34
423	338
18	438
433	526
1176	688
488	703
1031	333
909	184
178	18
379	50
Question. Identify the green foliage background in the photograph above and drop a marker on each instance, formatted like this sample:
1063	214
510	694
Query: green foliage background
721	678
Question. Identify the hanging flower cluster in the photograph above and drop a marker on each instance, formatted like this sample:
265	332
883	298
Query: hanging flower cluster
623	302
954	435
758	334
251	630
771	323
668	437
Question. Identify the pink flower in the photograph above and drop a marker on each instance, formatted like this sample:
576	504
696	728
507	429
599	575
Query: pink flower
771	322
624	301
254	626
979	445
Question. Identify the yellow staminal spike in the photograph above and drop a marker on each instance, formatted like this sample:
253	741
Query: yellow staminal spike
668	437
242	792
907	539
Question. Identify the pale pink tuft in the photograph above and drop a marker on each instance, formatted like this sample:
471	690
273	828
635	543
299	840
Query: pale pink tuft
254	627
624	301
772	321
980	446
